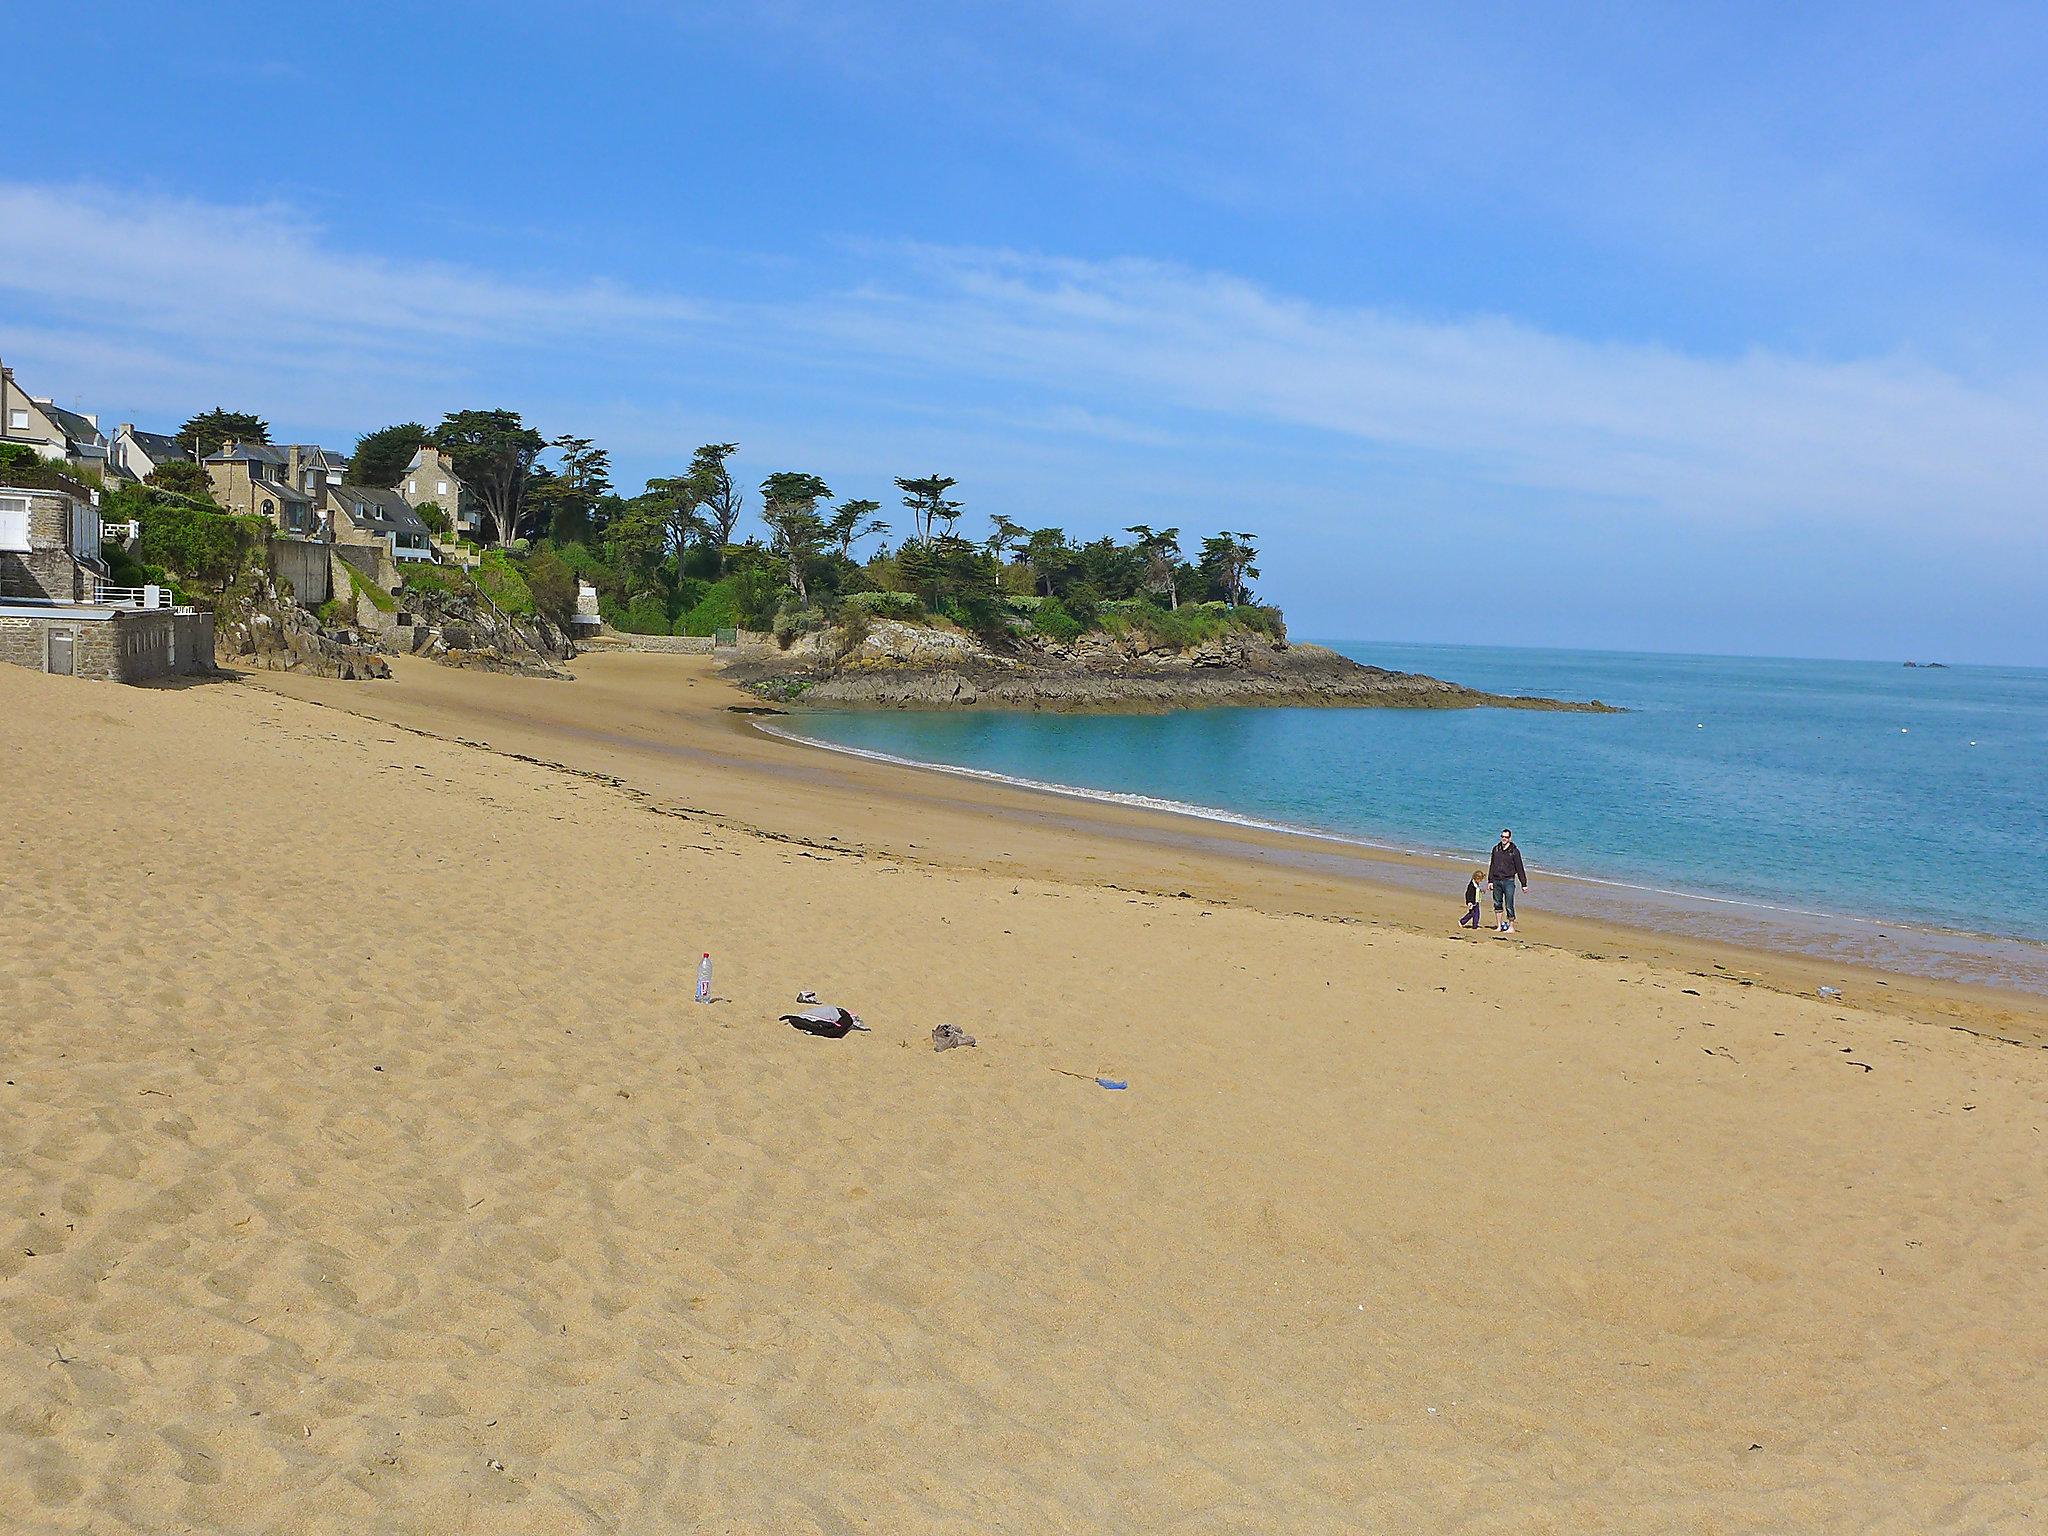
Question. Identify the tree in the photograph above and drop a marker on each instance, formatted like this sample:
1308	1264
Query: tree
562	501
183	477
1227	562
926	499
673	499
1047	553
716	499
381	456
1005	536
1162	560
494	453
789	506
206	432
853	521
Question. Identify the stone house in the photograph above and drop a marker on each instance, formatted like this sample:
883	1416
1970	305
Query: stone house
319	468
431	477
136	455
38	422
264	480
365	514
58	611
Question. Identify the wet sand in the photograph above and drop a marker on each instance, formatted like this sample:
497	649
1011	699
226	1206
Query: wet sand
366	1167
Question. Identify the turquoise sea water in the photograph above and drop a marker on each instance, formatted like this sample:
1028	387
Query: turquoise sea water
1912	795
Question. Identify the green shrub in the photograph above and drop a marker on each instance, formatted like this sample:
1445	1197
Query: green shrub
431	514
1052	620
425	576
499	578
200	546
552	585
718	608
887	605
1084	602
182	477
647	614
757	593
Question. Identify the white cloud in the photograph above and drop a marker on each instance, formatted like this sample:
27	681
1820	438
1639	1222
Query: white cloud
163	300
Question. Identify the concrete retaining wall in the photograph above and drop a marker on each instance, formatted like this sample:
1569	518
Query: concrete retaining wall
303	563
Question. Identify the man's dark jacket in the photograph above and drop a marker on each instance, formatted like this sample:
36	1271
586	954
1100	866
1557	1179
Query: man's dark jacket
1506	864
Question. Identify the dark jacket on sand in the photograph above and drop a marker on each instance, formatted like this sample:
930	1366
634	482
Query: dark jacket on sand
1506	864
1471	893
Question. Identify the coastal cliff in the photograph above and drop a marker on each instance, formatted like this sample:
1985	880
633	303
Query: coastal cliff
891	664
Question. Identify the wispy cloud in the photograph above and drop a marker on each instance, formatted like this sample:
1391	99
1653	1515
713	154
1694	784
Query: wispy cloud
136	300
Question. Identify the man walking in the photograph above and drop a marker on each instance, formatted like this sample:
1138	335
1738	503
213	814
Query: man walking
1502	871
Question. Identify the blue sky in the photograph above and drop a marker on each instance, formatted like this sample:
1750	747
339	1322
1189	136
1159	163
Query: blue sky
1665	327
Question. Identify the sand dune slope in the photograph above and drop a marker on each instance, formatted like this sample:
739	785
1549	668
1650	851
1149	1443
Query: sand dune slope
365	1167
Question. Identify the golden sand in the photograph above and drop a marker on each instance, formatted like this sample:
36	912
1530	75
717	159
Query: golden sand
365	1167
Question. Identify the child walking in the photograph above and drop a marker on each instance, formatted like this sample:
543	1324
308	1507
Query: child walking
1471	917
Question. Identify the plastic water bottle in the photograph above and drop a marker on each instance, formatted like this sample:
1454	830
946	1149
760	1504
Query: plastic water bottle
704	979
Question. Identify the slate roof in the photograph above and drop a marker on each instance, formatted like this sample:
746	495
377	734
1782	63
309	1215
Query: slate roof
75	426
381	511
160	447
251	453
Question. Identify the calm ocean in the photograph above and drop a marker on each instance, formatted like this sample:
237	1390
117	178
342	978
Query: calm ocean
1911	795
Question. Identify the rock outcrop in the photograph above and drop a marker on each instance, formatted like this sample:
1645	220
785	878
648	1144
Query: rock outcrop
892	664
257	626
466	629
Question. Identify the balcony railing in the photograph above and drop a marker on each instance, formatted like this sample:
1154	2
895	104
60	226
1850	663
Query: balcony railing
107	595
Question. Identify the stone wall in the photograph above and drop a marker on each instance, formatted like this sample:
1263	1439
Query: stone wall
47	569
130	647
686	645
303	563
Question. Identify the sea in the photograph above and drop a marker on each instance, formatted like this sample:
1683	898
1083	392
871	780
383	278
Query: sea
1855	810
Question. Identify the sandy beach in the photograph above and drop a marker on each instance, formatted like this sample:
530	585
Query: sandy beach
367	1167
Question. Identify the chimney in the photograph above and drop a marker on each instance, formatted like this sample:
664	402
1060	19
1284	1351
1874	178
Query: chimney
291	468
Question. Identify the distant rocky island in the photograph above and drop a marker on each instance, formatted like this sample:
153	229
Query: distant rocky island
895	664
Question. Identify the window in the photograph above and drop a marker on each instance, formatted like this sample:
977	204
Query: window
14	523
441	487
411	487
17	421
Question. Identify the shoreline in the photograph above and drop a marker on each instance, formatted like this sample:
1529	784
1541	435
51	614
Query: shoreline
1951	954
704	737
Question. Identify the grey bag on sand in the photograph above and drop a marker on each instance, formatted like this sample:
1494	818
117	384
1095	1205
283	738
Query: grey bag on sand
946	1036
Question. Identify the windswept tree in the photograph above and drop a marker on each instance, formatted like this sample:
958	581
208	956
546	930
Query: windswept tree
1048	554
563	502
929	505
852	521
1161	551
381	456
206	432
1005	536
494	452
717	501
1227	562
672	501
789	506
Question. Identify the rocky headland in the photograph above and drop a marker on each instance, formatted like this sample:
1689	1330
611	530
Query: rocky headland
891	664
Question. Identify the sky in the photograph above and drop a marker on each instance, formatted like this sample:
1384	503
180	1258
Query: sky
1644	327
